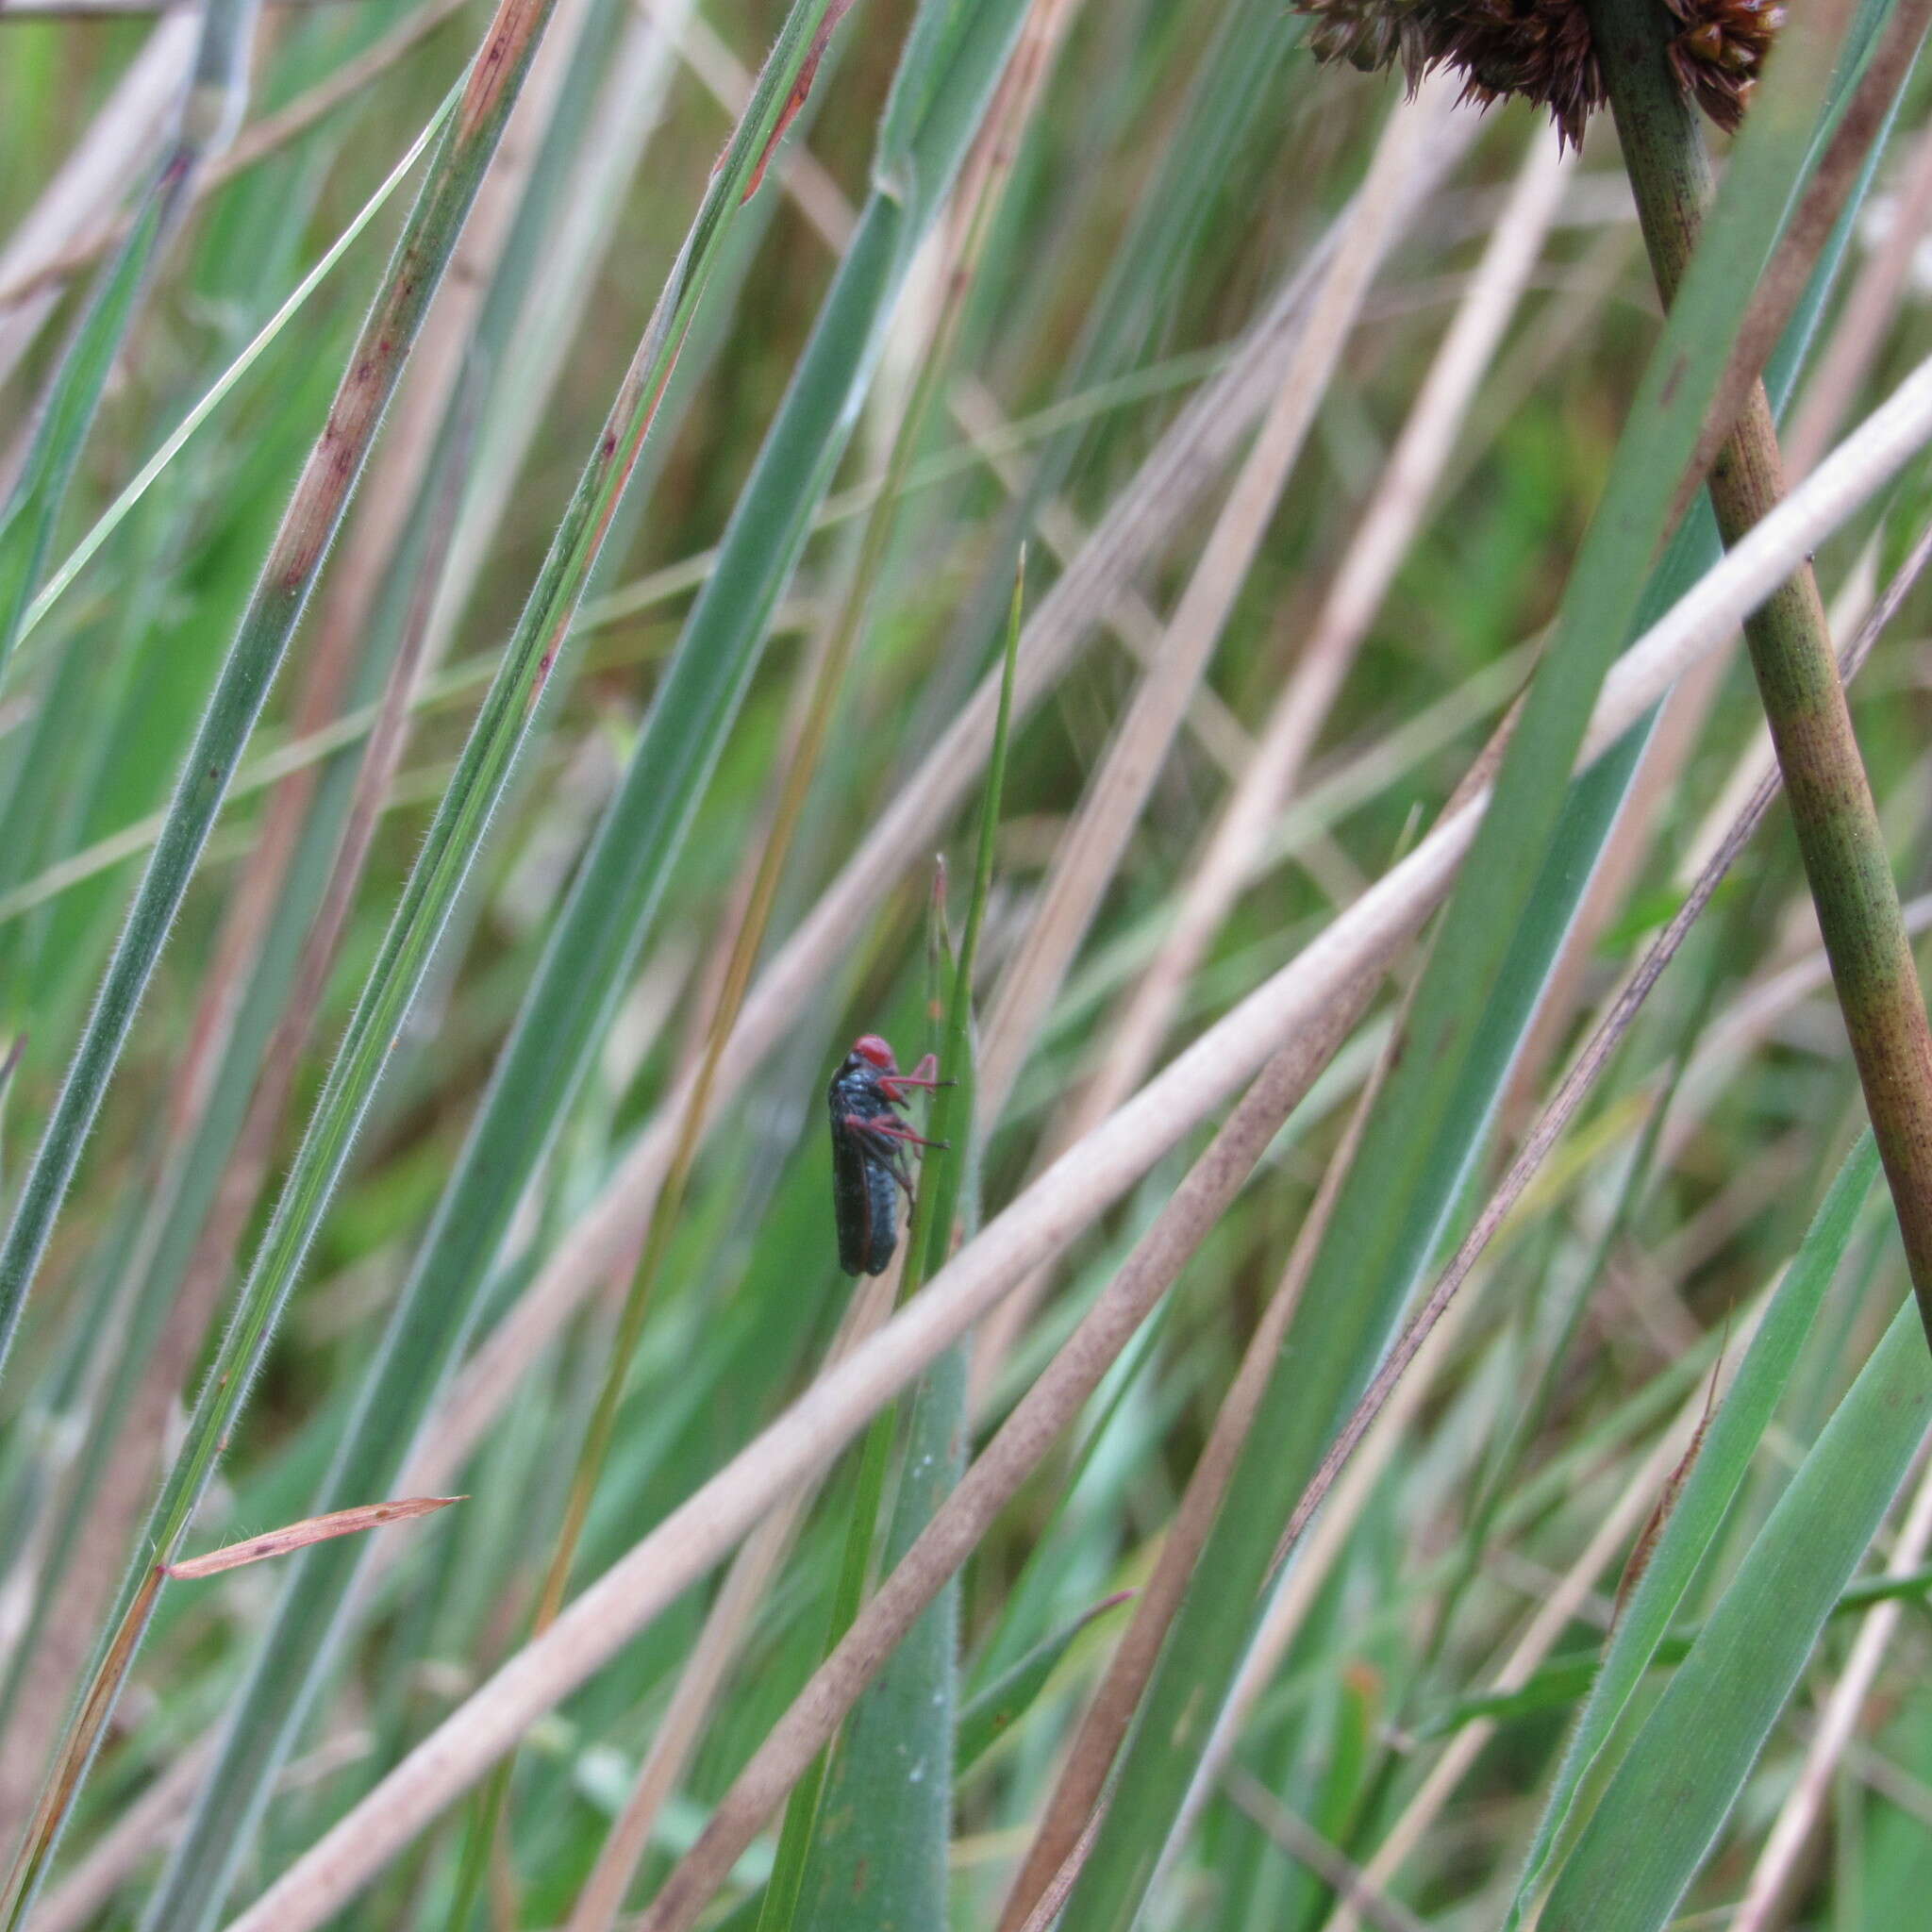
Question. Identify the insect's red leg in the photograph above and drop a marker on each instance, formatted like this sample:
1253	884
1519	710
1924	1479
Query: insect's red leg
922	1075
889	1128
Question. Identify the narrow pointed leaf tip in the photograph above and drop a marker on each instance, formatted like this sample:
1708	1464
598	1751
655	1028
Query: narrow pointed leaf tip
311	1529
801	93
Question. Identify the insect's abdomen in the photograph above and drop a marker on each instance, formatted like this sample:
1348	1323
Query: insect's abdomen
882	1223
867	1213
863	1197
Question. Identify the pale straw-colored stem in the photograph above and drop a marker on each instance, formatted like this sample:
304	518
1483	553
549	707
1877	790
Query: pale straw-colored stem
1089	853
1236	845
109	155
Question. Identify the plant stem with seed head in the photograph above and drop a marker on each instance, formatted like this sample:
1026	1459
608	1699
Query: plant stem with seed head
1792	657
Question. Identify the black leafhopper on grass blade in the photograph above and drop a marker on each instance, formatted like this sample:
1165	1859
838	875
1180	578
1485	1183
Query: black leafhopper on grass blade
869	1142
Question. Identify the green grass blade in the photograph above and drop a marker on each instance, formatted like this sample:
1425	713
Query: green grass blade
597	936
27	522
142	480
1700	1509
216	93
294	560
1672	1795
881	1827
1365	1266
885	1822
992	1713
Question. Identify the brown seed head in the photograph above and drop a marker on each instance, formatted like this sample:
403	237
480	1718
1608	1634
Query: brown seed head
1541	49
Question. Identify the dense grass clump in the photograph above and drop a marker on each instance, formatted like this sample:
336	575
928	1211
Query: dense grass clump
562	559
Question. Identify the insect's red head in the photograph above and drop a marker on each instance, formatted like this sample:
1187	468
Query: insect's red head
875	1052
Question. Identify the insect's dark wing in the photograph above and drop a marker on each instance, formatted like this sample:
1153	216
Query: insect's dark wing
851	1201
882	1217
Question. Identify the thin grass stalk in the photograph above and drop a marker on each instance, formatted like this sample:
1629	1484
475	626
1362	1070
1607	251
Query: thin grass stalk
127	1438
115	147
1816	226
1870	310
1796	669
1072	1812
1228	856
742	957
42	280
1044	1220
1824	1756
1327	1861
972	405
217	89
1554	1615
1560	1110
727	1623
784	1899
1403	1184
748	938
1384	534
803	762
616	890
212	1118
877	1844
294	560
453	836
563	281
60	581
1091	852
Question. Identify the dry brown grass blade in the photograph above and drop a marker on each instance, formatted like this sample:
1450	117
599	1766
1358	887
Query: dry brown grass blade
1869	311
1090	852
1232	850
311	1529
